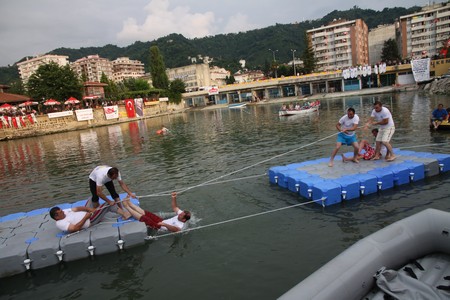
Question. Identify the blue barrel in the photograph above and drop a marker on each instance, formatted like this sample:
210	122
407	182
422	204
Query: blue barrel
401	173
368	183
307	183
350	186
274	172
327	189
385	178
416	170
283	177
294	180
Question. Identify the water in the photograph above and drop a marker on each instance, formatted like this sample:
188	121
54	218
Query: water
260	257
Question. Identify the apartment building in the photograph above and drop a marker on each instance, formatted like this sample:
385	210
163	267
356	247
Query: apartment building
341	44
30	65
125	68
194	76
92	67
218	76
424	33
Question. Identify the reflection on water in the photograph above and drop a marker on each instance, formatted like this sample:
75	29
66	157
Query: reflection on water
260	257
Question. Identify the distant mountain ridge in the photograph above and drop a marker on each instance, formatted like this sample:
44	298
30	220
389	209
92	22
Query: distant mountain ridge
227	49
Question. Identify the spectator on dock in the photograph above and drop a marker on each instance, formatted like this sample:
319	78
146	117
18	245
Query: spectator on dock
154	221
382	116
346	127
438	115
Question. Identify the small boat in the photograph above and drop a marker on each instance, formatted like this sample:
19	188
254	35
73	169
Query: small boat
237	105
409	259
309	108
445	125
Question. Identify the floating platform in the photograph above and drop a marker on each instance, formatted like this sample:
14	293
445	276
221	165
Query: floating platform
30	240
315	180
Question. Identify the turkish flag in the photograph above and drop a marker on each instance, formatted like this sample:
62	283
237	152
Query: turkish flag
129	105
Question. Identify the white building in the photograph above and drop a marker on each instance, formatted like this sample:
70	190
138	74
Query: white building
92	67
29	66
341	44
425	32
248	76
218	76
194	76
124	68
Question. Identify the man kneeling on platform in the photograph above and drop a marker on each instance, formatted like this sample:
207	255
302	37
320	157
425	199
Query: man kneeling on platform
173	224
80	217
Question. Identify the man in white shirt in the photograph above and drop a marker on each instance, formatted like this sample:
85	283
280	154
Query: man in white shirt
152	220
77	218
346	127
104	176
382	116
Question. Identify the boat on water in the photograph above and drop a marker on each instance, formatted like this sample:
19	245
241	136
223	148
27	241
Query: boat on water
445	125
237	105
303	110
409	259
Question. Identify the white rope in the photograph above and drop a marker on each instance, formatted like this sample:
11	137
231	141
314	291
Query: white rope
168	193
150	237
242	169
425	145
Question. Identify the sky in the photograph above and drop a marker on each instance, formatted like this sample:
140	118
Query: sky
34	27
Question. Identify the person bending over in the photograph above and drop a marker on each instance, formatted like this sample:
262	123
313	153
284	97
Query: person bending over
154	221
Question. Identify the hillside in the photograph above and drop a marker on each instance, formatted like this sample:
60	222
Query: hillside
227	49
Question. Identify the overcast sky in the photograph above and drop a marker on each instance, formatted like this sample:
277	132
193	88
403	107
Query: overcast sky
32	27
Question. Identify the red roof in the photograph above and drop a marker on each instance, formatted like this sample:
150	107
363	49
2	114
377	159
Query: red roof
12	98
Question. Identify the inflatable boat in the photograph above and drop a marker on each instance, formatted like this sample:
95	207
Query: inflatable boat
409	259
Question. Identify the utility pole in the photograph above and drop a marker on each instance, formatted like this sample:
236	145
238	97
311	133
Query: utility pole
293	61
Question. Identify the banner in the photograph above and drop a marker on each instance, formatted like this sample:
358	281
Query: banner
111	112
129	106
139	105
421	69
84	114
60	114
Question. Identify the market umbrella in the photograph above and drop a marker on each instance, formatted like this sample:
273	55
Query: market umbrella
28	103
72	100
6	106
51	102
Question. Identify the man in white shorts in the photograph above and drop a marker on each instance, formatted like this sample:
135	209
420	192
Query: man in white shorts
382	117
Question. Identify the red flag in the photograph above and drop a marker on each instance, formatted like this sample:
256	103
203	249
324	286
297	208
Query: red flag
129	105
14	121
22	121
30	118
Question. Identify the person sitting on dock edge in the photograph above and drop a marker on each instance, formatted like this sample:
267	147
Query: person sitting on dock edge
438	115
346	127
154	221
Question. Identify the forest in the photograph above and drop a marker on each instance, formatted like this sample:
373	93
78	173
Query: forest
225	50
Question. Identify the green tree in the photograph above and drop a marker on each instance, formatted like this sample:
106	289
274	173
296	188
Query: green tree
158	69
309	60
17	87
111	90
177	87
230	79
53	81
136	84
390	53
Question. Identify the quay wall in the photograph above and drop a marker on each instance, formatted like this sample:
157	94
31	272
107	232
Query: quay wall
45	125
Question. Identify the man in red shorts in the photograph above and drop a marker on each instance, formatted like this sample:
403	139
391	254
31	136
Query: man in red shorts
152	220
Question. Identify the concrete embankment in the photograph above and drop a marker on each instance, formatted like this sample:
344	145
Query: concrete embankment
45	125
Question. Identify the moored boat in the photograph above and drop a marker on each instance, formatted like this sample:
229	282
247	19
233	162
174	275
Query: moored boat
445	125
418	244
237	105
306	109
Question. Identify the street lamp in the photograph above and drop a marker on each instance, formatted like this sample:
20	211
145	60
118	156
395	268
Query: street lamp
274	62
293	60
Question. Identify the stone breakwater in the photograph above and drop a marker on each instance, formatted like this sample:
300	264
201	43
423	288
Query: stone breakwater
45	125
440	86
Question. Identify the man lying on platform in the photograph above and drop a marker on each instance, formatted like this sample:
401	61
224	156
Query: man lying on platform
80	217
173	224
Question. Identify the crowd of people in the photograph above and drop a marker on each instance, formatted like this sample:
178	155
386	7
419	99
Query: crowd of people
17	118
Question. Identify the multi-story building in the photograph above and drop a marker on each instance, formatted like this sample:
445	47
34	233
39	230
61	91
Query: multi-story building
92	67
377	37
195	76
124	68
424	33
341	44
30	65
218	75
248	76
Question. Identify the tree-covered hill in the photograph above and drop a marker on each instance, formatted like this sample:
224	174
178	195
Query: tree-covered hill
227	49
